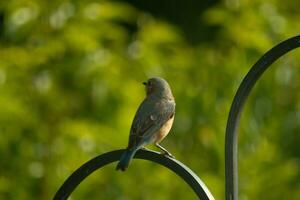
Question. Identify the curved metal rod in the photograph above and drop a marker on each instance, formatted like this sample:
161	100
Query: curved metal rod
231	165
100	161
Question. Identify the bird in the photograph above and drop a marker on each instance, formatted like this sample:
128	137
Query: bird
152	122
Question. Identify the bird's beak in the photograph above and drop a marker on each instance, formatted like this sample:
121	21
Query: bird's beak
144	83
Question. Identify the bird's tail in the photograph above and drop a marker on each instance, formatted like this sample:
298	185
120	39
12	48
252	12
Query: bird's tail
125	159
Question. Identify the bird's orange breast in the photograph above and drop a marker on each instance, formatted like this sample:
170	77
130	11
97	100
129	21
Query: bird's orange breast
164	130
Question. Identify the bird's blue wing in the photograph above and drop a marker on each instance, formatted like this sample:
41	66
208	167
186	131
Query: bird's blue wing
149	118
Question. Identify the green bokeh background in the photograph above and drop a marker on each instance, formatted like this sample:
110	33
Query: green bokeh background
70	83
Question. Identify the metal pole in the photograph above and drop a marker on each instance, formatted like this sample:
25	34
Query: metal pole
231	145
100	161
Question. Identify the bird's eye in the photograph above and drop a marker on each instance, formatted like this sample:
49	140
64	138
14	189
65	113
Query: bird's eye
148	83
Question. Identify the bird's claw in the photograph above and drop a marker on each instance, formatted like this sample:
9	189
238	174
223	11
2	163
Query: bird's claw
168	155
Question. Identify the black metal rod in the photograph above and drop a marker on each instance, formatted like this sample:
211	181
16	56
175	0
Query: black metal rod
89	167
231	146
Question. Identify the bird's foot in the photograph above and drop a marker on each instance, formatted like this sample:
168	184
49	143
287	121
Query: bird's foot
165	151
168	154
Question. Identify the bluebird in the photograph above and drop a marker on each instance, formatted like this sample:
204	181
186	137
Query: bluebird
153	120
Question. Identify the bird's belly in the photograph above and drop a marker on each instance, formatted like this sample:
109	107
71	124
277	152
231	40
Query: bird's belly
163	131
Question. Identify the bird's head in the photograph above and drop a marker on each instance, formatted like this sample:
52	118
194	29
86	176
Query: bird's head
158	87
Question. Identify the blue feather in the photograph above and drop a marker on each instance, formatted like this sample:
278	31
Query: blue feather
125	159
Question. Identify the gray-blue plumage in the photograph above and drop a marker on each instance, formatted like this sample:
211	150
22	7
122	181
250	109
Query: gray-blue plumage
152	121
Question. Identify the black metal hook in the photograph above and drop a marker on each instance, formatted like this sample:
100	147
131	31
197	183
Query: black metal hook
231	145
100	161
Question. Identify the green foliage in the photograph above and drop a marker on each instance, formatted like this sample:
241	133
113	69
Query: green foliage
70	83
